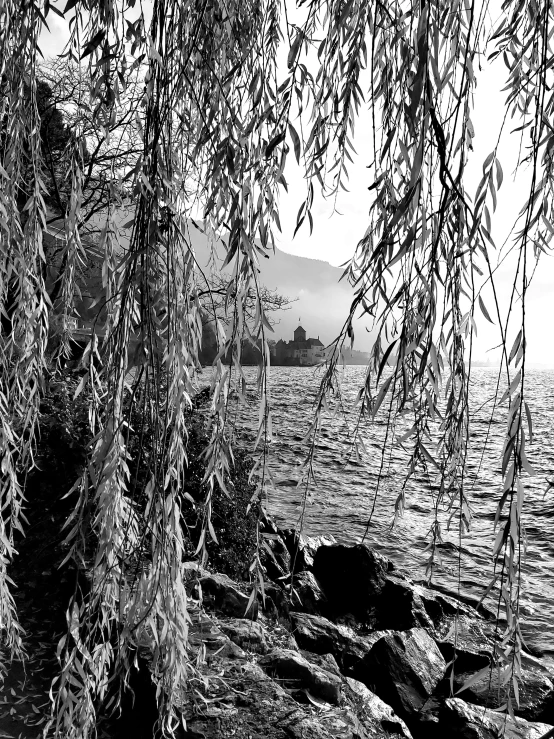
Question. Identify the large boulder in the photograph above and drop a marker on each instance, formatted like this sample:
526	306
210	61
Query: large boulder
374	713
319	635
536	690
302	548
459	720
297	672
403	668
342	724
301	726
324	661
467	641
249	635
221	594
307	595
440	605
400	606
456	598
208	641
352	578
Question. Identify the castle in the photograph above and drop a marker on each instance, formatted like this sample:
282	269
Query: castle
300	350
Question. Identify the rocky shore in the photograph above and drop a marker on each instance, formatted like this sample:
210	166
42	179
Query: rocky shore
343	646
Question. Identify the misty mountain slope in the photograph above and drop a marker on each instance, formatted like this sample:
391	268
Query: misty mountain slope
321	301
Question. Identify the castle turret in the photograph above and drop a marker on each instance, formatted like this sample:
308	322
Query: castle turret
300	334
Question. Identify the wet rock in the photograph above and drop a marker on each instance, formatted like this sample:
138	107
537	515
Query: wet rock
306	727
403	668
324	661
307	595
352	578
222	594
428	718
319	635
343	724
468	639
302	548
249	635
468	600
441	606
400	606
298	673
536	690
460	720
374	713
546	715
340	724
207	637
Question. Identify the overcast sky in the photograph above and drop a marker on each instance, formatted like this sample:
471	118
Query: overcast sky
335	235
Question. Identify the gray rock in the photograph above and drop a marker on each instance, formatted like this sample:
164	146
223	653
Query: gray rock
536	689
454	597
404	604
302	548
306	727
374	712
206	637
459	720
469	639
440	605
352	578
249	635
400	606
325	661
403	668
298	673
340	724
307	595
319	635
222	594
193	570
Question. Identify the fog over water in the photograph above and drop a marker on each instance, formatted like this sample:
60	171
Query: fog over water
341	502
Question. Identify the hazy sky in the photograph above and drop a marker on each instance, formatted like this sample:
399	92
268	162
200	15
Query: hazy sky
335	235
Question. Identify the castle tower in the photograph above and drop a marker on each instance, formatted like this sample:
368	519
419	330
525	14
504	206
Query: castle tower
300	334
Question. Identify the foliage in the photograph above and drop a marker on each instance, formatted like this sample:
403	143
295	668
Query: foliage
209	119
109	151
62	452
234	513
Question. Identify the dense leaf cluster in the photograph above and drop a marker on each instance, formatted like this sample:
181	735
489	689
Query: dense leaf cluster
64	445
202	106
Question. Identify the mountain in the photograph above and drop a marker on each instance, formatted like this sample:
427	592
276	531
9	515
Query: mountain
321	302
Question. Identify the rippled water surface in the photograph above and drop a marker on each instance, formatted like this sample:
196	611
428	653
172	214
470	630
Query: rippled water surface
342	500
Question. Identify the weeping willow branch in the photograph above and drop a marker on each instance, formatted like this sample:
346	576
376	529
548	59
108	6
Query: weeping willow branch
194	112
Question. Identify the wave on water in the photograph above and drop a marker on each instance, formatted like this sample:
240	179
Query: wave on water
341	501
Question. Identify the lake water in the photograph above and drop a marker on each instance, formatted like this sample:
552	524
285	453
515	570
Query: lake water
341	500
